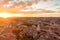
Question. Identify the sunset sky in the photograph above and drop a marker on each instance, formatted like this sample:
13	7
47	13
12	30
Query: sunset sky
29	8
50	5
29	5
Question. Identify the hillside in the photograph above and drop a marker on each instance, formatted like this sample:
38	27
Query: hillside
30	28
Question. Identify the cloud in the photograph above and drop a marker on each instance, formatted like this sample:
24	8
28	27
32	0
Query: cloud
50	5
26	5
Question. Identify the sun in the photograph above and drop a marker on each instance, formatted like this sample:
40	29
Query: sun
7	15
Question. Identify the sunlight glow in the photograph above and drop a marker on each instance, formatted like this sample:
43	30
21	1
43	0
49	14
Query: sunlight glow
6	15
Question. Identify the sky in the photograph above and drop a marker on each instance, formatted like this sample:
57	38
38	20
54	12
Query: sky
49	5
27	5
